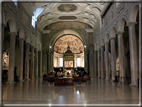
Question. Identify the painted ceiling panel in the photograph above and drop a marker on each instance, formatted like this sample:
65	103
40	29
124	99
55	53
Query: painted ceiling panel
75	44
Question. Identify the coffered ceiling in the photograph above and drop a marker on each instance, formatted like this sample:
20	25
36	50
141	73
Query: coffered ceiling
87	13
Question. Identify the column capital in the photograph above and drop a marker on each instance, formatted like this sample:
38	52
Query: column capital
36	49
113	37
32	46
131	23
120	32
40	50
13	33
91	51
3	25
22	39
102	45
106	42
27	43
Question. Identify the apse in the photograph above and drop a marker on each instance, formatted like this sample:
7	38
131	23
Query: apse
76	47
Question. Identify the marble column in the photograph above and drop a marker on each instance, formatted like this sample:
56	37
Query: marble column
107	60
40	65
99	64
113	59
32	63
91	63
11	57
20	65
102	62
95	65
36	63
121	57
86	62
133	54
27	69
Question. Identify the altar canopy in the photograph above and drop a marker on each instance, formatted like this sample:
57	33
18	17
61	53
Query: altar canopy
68	61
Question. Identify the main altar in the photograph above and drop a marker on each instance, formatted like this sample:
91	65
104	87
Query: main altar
68	63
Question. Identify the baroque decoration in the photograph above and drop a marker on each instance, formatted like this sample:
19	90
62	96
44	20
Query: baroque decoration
67	8
75	44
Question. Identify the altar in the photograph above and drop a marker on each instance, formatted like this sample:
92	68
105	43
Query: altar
68	70
68	63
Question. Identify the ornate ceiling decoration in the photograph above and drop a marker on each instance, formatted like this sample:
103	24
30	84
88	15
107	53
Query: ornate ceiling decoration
67	7
75	44
67	17
88	13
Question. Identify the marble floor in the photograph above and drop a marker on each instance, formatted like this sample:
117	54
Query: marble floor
99	92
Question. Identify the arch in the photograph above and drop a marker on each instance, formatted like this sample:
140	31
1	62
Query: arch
99	44
133	13
3	19
27	38
65	32
113	33
102	41
36	45
12	24
32	42
21	33
40	46
107	38
121	23
96	46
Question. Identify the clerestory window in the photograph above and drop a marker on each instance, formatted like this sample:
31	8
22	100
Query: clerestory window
36	13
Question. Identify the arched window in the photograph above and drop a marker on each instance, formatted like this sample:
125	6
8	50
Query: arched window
78	62
61	62
36	13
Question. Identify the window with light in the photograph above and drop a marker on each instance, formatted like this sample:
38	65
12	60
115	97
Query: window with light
61	62
37	12
78	62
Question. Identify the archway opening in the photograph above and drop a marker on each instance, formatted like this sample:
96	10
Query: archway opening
127	54
76	47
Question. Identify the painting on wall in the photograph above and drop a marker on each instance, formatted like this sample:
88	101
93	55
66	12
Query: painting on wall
5	63
68	64
75	44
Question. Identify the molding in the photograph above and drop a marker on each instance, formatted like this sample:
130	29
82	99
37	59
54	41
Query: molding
46	31
89	30
13	33
131	23
22	39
